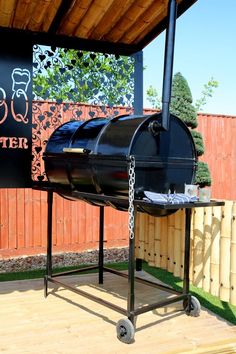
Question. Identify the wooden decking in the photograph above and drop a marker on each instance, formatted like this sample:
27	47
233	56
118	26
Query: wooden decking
68	323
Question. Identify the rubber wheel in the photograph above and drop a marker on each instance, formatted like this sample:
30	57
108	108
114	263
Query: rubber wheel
125	331
195	307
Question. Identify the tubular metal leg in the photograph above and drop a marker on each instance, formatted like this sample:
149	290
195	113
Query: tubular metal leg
139	264
101	241
49	243
187	254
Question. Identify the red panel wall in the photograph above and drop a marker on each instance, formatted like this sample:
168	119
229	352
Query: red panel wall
219	134
23	228
23	212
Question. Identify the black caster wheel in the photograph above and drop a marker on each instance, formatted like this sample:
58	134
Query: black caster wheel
125	331
195	307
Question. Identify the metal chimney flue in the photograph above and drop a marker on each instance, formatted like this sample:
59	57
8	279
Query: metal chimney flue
168	64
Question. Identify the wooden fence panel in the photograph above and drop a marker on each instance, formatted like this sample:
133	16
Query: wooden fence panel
198	243
207	239
4	219
212	250
157	244
170	242
23	228
215	250
12	220
220	153
225	250
177	243
233	258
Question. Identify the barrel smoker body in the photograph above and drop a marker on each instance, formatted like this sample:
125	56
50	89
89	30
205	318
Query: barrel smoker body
91	156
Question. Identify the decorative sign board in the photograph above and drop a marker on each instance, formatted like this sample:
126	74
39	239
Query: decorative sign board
15	114
105	81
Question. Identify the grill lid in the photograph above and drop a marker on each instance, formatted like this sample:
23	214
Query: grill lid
94	156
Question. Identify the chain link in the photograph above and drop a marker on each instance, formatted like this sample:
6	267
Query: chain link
131	196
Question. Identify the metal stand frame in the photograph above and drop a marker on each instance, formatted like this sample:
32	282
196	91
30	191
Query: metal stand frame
131	312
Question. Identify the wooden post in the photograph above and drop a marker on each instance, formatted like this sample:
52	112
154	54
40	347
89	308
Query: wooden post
145	219
157	242
164	234
183	243
151	235
198	247
177	244
141	235
233	258
170	242
225	251
207	248
191	245
215	251
137	236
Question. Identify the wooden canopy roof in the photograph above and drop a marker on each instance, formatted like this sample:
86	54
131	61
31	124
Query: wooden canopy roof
127	25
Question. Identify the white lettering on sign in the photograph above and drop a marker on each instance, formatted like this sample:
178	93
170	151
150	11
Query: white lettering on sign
12	142
19	100
20	82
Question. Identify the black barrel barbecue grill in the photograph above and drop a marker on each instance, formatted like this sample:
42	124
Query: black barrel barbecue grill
112	162
91	157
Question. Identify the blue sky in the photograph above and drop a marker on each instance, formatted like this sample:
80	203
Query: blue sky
205	47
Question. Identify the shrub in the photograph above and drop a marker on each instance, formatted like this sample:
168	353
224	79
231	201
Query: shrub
198	140
202	177
181	101
181	106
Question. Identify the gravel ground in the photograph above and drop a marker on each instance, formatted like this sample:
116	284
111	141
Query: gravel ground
23	263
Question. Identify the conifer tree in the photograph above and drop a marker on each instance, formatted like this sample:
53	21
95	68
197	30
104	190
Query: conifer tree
181	101
181	106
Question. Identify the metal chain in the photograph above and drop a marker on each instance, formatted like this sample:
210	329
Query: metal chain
131	196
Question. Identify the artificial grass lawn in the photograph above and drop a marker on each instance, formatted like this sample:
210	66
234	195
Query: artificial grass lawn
213	303
39	273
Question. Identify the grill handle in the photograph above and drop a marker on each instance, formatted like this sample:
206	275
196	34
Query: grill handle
76	150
